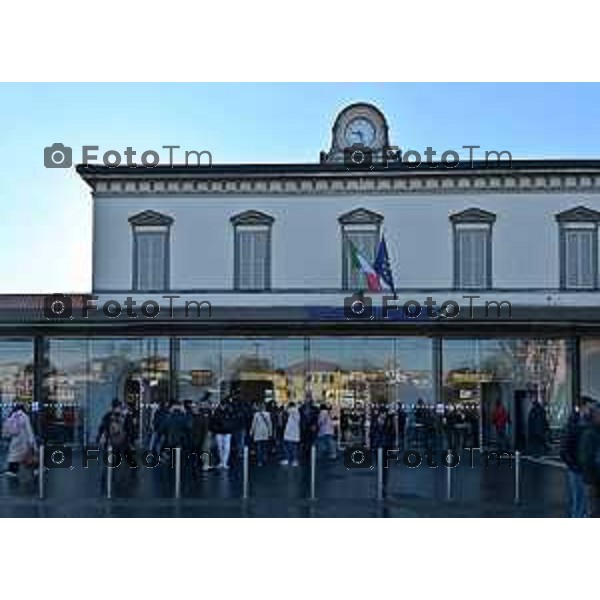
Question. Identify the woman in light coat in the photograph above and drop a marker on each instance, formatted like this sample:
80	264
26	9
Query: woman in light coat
22	445
261	432
291	436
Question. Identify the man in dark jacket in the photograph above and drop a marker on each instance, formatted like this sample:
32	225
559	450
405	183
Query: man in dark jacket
309	424
158	419
116	428
176	429
568	452
588	453
223	424
536	429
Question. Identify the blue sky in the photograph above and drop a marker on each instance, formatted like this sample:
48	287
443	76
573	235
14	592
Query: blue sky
45	230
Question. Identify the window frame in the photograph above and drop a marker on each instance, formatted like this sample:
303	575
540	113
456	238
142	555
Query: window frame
359	219
579	217
478	220
247	221
564	229
157	224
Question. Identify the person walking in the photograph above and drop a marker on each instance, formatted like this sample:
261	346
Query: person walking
223	424
22	445
325	439
500	421
201	429
588	456
536	429
291	436
261	432
309	425
568	453
160	414
177	427
116	428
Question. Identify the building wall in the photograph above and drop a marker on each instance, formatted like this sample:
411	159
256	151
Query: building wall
306	237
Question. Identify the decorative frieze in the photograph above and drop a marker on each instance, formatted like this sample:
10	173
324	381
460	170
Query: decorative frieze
347	184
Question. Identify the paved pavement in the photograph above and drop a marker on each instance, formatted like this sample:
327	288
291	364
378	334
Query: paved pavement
283	491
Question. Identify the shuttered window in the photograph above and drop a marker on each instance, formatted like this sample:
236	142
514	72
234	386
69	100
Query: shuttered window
151	260
579	255
253	257
472	260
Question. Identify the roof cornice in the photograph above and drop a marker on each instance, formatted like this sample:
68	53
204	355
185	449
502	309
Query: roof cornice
314	179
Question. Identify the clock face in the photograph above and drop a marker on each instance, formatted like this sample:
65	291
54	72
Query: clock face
360	131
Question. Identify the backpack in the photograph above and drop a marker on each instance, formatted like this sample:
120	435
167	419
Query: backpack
117	436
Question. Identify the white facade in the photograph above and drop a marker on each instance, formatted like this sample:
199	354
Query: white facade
307	244
303	203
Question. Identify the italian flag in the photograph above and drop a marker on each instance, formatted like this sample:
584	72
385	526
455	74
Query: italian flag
360	263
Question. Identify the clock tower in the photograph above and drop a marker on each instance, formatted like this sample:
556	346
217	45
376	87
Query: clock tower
358	125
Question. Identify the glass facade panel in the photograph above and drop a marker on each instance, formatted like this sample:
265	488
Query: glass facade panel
589	349
82	376
16	378
351	371
85	375
480	374
16	387
264	369
16	374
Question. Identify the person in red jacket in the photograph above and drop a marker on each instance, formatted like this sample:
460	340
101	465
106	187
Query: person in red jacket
500	421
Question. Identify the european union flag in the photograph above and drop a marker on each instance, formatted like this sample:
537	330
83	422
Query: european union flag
382	265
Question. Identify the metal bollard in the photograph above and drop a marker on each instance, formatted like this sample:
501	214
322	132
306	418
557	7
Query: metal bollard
109	473
517	477
448	482
313	468
379	473
41	471
177	472
246	468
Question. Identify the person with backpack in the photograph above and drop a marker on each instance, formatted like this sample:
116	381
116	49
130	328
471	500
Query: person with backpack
22	446
588	456
568	453
261	432
116	428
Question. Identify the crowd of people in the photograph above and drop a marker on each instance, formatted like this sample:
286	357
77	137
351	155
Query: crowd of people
580	451
217	434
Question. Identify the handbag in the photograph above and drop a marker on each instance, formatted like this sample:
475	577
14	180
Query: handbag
31	459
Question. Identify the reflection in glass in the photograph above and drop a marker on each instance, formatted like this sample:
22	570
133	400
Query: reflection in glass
264	369
481	373
83	376
16	374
